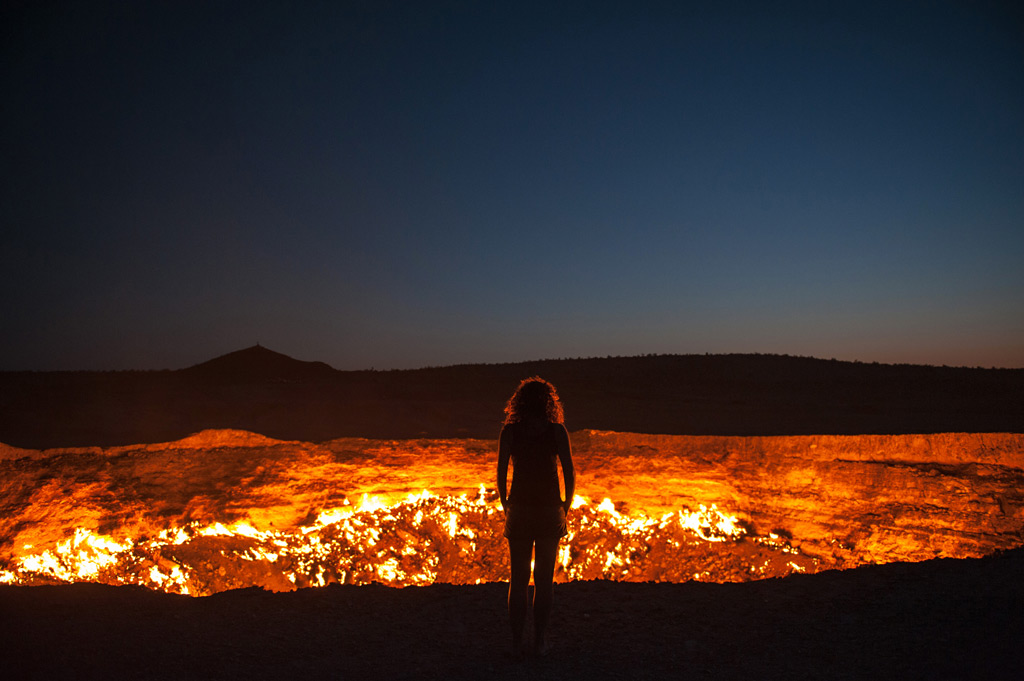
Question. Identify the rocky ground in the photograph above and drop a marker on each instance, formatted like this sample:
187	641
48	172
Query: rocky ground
841	501
940	619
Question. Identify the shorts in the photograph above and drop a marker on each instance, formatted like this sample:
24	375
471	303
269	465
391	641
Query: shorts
535	522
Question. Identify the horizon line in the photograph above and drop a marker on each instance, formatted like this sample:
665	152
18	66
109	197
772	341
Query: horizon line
428	367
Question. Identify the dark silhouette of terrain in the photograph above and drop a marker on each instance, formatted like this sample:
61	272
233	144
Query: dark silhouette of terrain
260	390
940	619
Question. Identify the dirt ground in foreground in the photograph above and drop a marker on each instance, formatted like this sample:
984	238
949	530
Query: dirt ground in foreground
941	619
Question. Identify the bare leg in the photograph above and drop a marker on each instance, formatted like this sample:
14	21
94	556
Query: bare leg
543	590
520	551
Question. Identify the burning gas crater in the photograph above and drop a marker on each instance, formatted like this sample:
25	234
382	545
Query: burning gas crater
420	540
229	509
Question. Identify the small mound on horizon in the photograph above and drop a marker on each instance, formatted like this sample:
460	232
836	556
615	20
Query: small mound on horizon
260	363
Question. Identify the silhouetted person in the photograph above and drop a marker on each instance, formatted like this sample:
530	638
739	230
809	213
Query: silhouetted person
535	441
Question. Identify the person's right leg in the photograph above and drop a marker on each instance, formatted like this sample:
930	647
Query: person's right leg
520	552
543	590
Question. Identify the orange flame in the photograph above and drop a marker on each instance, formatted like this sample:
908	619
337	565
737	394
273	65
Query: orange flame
418	540
228	509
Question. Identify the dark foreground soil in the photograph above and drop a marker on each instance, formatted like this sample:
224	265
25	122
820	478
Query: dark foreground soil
941	619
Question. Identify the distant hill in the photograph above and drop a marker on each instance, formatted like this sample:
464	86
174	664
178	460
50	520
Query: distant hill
258	364
267	392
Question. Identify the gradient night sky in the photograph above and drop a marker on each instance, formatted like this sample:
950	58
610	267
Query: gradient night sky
385	185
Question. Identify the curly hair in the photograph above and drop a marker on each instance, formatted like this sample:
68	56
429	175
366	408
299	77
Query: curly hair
534	397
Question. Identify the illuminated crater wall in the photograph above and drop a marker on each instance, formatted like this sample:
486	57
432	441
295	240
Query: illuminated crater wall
229	509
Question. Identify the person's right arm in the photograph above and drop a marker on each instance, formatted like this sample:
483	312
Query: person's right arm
504	452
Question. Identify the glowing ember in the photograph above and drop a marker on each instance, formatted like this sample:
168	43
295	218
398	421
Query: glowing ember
420	540
226	509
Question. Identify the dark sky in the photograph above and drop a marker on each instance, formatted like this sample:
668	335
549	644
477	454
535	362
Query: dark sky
398	185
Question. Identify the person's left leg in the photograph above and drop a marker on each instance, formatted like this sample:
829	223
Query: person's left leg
520	551
545	554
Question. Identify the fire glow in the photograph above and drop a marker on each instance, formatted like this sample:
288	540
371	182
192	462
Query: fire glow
229	509
419	540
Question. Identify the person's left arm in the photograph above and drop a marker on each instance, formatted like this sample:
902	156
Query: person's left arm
568	472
